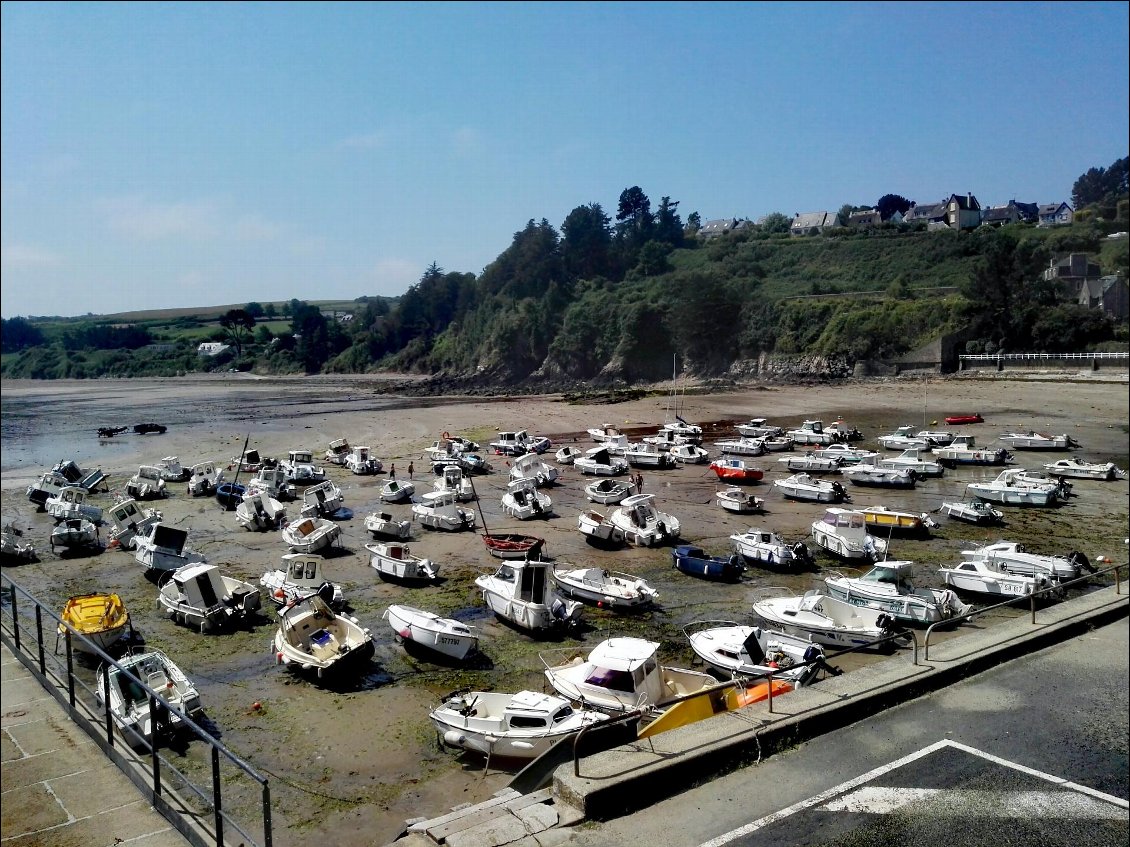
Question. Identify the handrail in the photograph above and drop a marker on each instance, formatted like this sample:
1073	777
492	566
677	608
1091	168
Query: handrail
1021	357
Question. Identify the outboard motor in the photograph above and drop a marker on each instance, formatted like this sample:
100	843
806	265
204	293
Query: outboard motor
1081	561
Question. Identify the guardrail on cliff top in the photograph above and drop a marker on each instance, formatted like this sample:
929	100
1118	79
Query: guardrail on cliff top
1000	358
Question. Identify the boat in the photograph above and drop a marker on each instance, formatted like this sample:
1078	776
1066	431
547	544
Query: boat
300	576
199	596
622	675
763	547
164	548
474	463
598	461
532	466
1079	469
74	475
395	561
827	620
522	593
129	704
936	437
509	726
230	495
249	461
513	545
1013	558
70	502
603	588
843	432
1039	478
742	446
146	484
903	438
694	561
987	576
438	510
736	470
887	588
451	478
172	470
912	459
776	444
959	420
757	428
810	432
878	477
598	529
311	637
203	479
300	469
846	454
644	455
48	485
101	619
736	651
127	519
516	443
12	549
666	438
273	481
607	491
963	450
843	533
1010	491
384	525
75	534
396	491
689	454
801	486
321	499
523	501
1032	440
973	511
642	524
739	501
445	636
605	432
310	534
260	512
810	463
337	451
567	455
362	462
881	517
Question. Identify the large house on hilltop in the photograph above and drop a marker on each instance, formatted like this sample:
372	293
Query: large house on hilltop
1011	213
809	221
717	227
956	212
1055	214
865	217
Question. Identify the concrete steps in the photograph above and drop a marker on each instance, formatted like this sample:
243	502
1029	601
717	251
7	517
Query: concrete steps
508	818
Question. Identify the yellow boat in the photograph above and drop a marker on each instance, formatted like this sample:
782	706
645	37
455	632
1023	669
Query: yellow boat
881	517
712	702
102	618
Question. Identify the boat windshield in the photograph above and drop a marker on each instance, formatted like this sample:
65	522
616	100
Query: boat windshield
613	680
562	714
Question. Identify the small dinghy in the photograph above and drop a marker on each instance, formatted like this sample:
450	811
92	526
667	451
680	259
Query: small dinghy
322	499
129	702
975	512
603	588
598	529
201	597
309	535
300	576
312	638
739	501
446	636
230	495
567	455
737	650
396	562
75	534
513	545
384	525
607	491
101	619
826	620
694	561
260	512
395	491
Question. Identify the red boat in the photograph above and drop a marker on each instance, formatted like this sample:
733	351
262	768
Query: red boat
513	545
736	470
953	420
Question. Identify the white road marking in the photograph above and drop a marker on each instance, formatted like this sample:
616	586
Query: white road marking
990	804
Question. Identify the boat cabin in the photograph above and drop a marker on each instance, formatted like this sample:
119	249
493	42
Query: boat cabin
627	666
303	570
301	457
201	585
894	574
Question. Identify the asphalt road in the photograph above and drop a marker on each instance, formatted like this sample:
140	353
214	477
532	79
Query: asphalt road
1034	752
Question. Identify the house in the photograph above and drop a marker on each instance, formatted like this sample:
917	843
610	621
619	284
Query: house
865	217
927	214
1071	271
717	227
211	348
963	212
1109	293
806	223
1055	214
1011	213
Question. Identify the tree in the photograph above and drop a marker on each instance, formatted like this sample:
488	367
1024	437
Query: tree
269	310
586	243
634	217
890	203
653	259
694	223
254	309
776	222
17	334
237	324
668	225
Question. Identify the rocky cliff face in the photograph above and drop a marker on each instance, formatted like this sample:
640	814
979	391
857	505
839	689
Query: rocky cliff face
791	368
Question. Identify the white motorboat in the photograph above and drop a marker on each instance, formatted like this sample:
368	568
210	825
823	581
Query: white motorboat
70	502
260	512
843	432
249	461
758	428
776	444
1032	440
146	484
172	470
1008	490
904	438
988	576
666	438
300	469
473	463
312	637
1039	478
445	636
321	499
600	462
438	510
913	459
644	455
826	620
762	547
273	481
603	588
1079	469
533	466
523	501
810	432
742	446
567	455
846	454
509	726
843	533
395	561
810	463
13	550
892	520
642	524
736	650
598	529
203	479
623	674
605	432
362	462
128	519
887	588
164	548
739	501
48	485
522	593
607	491
516	443
451	478
384	525
203	598
973	511
300	576
936	437
801	486
689	454
129	702
397	491
878	477
337	451
963	450
310	534
1013	558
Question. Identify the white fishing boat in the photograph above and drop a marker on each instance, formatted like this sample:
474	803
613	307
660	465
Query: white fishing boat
666	438
605	432
826	620
936	437
201	597
337	451
273	481
739	501
513	443
203	479
362	462
843	533
603	588
396	562
164	548
300	576
736	650
742	446
311	637
445	636
987	576
523	501
533	466
904	438
48	485
321	499
473	463
438	510
598	529
300	469
1032	440
801	486
846	454
607	491
310	534
963	450
249	461
397	491
567	455
509	726
913	459
172	470
644	455
451	478
810	432
810	463
70	502
146	484
599	461
127	519
1014	558
973	511
384	525
758	428
689	454
1039	478
763	547
1010	490
522	593
776	443
129	702
260	512
887	588
843	432
878	477
1079	469
13	549
642	524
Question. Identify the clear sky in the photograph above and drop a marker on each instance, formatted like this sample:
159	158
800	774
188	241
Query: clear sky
160	155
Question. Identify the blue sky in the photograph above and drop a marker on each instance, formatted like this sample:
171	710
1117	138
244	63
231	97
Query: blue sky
178	154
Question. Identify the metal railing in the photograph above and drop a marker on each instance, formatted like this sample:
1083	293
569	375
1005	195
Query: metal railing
198	812
1032	357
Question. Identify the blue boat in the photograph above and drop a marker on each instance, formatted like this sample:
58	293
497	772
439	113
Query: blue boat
230	494
694	561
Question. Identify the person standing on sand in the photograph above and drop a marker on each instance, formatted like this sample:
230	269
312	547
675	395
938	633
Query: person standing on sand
639	483
392	471
410	470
